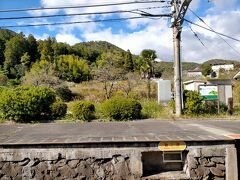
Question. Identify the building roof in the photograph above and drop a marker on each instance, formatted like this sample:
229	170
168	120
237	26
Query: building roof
210	81
197	69
220	64
193	81
237	75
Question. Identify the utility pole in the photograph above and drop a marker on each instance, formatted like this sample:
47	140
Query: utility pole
179	10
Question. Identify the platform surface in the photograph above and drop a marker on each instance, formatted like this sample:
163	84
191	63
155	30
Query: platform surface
135	131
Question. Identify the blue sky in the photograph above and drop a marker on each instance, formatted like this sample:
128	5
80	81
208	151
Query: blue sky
136	35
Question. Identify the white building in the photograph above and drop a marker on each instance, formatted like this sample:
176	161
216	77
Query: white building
194	73
226	67
224	87
193	85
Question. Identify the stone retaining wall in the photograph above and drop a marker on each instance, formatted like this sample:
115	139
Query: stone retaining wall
206	163
102	162
116	167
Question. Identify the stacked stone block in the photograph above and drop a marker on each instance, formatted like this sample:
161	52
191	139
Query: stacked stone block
206	163
116	167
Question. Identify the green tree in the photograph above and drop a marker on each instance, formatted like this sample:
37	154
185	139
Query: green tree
2	48
6	34
116	58
45	49
72	68
15	48
128	64
26	59
206	69
32	48
147	57
60	49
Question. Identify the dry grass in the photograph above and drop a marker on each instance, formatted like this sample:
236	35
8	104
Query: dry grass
93	90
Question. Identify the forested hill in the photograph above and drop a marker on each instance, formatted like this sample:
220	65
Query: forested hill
220	61
18	53
166	68
100	46
22	55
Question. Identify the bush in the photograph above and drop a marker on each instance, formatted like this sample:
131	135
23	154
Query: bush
211	107
193	102
13	82
58	109
3	80
26	103
83	110
171	105
119	108
151	109
64	93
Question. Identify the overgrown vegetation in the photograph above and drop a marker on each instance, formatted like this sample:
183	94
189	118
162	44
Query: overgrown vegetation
58	109
84	75
151	109
120	109
26	103
83	110
193	103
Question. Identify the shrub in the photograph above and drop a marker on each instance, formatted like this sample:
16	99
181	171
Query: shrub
119	108
193	102
13	82
211	107
58	109
3	80
64	93
171	105
26	103
83	110
151	109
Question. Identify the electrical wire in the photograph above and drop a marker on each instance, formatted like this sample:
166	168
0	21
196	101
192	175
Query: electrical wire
76	22
214	31
196	35
134	11
82	6
221	34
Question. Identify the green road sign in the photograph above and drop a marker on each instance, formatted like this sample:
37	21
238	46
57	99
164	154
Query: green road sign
209	92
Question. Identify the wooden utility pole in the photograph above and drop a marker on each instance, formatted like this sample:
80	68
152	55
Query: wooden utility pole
179	10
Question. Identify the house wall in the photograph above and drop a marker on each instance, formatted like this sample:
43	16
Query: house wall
193	86
194	74
227	67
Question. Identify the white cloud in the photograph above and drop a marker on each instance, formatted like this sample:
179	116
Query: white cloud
195	4
41	37
222	4
224	22
67	38
155	34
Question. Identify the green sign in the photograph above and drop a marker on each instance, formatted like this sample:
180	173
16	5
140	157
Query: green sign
209	92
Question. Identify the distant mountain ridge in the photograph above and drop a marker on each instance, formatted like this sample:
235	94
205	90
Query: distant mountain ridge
220	61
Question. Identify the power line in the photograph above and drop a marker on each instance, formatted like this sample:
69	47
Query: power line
196	35
214	31
221	34
76	22
134	11
82	6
